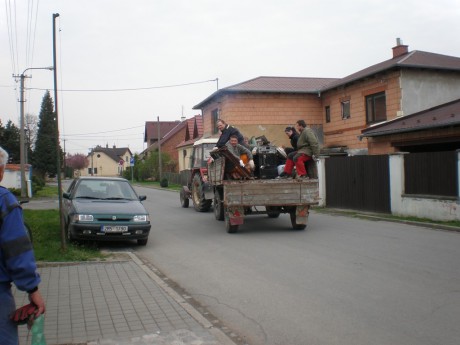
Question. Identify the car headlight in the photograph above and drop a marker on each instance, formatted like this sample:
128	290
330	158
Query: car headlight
83	218
141	218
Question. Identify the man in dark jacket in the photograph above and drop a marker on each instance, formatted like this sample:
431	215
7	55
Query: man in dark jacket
226	132
17	262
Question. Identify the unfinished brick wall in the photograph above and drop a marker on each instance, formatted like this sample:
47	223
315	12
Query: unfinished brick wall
256	114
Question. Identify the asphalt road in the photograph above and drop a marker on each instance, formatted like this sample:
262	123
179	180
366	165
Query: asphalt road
342	281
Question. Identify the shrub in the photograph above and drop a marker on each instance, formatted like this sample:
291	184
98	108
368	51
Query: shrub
164	182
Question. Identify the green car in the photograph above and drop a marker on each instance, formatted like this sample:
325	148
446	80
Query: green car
105	209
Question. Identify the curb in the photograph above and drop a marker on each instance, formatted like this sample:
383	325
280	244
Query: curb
220	336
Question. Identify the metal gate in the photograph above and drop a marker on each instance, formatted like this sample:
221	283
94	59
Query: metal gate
359	183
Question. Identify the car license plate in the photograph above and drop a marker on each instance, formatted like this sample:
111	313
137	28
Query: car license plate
114	228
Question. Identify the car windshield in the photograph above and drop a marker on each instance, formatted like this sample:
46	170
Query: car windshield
105	189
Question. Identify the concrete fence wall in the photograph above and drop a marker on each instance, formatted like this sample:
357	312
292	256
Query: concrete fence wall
435	208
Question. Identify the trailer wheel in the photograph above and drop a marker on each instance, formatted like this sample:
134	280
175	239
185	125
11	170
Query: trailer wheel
296	226
272	211
184	201
218	206
199	202
231	229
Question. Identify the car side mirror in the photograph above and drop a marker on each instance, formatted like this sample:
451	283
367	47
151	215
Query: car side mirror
142	197
66	195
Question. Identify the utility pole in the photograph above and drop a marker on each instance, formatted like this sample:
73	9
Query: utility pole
22	148
159	148
58	151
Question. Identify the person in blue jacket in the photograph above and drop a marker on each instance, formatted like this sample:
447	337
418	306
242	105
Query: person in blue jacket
17	261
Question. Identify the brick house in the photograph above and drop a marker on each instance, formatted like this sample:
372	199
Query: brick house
169	141
339	110
151	130
265	106
107	161
193	132
409	83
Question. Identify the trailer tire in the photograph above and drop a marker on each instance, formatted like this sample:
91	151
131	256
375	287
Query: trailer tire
272	211
199	202
184	200
296	226
218	206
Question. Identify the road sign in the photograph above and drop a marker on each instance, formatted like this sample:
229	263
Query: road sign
131	161
121	162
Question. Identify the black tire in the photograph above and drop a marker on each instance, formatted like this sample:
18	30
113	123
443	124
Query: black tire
218	206
296	226
142	242
272	211
184	200
70	237
199	202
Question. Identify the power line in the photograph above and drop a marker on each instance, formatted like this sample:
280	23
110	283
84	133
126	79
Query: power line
128	89
115	130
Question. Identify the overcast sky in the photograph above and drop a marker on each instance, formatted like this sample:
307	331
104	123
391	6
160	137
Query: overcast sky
156	44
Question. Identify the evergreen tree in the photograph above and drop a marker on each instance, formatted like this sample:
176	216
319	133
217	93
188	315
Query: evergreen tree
45	153
10	139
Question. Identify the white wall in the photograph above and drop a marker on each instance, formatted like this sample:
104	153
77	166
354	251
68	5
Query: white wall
425	89
431	208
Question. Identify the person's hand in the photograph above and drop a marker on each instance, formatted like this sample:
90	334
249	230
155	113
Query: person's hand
251	164
241	163
37	299
210	160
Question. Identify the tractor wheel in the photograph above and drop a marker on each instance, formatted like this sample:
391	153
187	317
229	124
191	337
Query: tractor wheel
199	202
184	200
218	206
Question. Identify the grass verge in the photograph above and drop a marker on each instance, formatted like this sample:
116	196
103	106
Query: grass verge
47	192
47	239
156	184
452	223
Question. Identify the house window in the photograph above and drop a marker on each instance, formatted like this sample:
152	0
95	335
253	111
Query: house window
89	171
345	109
214	118
376	107
95	171
327	110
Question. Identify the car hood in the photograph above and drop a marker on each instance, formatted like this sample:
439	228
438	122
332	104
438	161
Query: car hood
108	206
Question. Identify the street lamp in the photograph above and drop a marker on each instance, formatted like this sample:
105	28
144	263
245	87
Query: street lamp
22	127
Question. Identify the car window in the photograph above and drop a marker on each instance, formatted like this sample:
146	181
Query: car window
105	189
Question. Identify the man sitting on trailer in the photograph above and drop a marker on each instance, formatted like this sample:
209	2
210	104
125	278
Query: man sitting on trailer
241	152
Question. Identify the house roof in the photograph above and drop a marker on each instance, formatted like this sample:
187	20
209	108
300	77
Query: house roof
272	85
151	129
114	153
413	59
443	115
194	131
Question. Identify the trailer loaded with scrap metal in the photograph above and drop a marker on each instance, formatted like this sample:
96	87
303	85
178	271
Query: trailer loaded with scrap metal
236	192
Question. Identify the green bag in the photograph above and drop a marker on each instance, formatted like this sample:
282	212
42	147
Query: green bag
38	331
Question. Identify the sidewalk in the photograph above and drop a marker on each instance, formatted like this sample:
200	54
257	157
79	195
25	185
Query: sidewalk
116	303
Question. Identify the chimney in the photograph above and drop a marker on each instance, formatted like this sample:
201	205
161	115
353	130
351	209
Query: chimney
400	48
